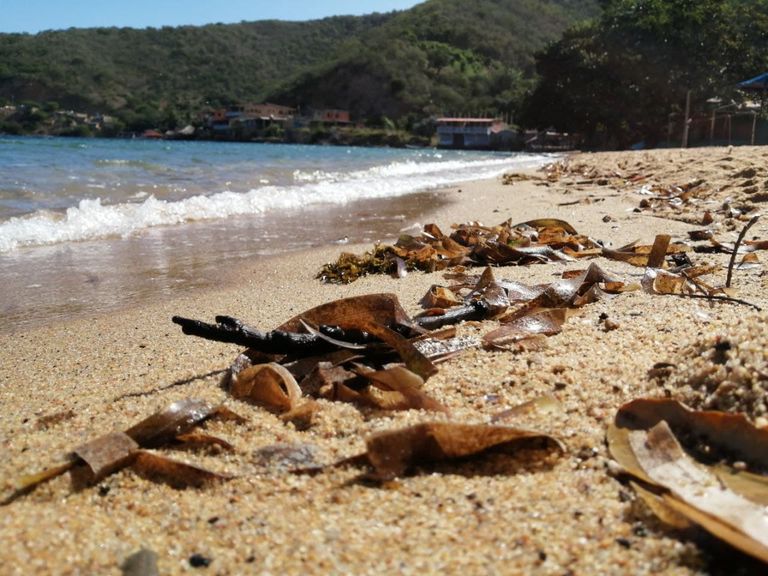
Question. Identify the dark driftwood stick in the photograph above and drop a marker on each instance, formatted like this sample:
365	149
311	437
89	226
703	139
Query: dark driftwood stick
736	249
478	310
231	330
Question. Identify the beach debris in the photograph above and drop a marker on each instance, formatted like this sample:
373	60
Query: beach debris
540	405
544	322
719	483
117	450
653	256
392	453
470	244
140	563
364	349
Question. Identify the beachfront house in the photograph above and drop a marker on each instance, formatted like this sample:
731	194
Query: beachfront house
470	133
248	120
330	117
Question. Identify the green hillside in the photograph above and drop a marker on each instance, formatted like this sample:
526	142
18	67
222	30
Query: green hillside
113	68
441	56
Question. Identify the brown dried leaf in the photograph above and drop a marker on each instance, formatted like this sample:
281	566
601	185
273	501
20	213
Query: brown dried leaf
732	434
303	415
271	386
414	360
408	385
727	503
393	452
546	321
178	418
384	309
107	454
543	223
440	297
173	472
698	494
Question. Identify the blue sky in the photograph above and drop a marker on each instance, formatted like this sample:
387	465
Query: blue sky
35	15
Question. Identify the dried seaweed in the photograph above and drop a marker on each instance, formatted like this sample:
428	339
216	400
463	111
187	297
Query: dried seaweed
535	241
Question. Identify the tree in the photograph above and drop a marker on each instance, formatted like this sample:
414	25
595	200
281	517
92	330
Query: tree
624	73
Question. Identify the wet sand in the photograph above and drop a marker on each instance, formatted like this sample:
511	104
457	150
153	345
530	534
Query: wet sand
499	514
61	282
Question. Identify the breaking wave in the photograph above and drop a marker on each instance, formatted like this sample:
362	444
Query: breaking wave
94	219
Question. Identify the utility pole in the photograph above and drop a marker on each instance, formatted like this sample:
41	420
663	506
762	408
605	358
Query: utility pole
686	125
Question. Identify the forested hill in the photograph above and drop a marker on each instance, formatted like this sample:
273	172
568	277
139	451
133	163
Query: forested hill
115	67
440	56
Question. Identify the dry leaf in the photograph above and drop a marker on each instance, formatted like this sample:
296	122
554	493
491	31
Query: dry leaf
408	385
271	386
729	504
393	452
107	454
547	322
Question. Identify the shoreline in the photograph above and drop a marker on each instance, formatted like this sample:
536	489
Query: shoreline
105	372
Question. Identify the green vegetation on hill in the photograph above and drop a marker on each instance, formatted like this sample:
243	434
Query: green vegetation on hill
441	56
146	75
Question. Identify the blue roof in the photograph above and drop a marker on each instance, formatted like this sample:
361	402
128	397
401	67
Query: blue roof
756	83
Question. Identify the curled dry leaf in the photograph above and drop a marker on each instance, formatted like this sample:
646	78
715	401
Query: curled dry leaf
394	452
730	504
409	385
440	297
271	386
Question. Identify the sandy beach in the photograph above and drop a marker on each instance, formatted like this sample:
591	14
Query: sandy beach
64	384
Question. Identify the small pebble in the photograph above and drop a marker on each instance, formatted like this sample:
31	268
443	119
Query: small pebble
199	561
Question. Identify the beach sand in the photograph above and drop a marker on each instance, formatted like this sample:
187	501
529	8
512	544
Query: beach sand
64	384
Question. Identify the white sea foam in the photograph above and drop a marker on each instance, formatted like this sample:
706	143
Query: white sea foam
91	219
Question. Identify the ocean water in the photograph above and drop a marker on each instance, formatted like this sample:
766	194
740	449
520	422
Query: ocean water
89	224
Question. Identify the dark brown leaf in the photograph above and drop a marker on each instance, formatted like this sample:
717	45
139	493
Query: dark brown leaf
392	453
546	322
107	454
175	473
178	418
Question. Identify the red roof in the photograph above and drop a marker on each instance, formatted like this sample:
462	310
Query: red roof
468	120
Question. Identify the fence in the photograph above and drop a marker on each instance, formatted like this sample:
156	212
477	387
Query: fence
719	128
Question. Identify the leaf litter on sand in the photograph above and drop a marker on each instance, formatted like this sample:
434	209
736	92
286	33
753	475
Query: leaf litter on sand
473	244
718	483
117	450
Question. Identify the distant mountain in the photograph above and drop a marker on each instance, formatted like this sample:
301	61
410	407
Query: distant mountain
440	56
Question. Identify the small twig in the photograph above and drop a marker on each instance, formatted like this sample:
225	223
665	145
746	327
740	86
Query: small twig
718	297
736	249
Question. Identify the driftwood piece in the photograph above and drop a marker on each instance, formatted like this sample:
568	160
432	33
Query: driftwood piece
233	331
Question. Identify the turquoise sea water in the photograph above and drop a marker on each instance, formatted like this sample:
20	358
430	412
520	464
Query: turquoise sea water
90	224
